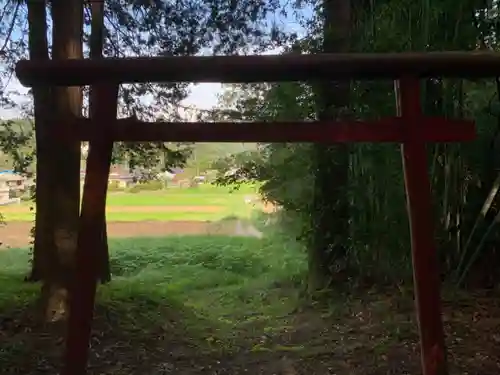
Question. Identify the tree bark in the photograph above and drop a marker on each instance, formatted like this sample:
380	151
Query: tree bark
328	249
38	47
96	49
67	18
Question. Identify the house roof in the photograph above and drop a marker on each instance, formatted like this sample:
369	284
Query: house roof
116	172
11	177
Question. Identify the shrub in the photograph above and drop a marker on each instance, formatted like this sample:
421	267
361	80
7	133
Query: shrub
147	186
115	186
134	189
25	198
152	185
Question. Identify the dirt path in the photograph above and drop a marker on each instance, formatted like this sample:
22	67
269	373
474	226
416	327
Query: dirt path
366	335
17	234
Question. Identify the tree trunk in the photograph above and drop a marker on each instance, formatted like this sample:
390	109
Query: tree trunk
67	17
96	48
328	248
38	47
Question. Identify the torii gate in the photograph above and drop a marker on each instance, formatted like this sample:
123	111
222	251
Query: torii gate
409	128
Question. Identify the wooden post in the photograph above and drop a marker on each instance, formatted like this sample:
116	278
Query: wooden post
90	237
92	246
425	261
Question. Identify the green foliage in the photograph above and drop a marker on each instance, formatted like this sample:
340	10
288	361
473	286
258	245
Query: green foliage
16	150
134	189
151	28
461	175
16	145
203	295
196	270
232	255
205	155
26	198
114	186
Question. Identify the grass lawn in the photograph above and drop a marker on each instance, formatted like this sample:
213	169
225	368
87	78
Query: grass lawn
204	195
221	305
214	204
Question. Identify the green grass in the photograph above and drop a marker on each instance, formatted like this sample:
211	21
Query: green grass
170	198
204	195
227	202
216	275
125	216
200	292
197	305
211	275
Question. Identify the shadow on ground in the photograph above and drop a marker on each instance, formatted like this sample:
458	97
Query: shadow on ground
373	335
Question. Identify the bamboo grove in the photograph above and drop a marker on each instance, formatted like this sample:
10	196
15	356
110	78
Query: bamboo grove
464	177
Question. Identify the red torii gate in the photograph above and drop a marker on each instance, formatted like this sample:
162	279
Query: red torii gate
409	128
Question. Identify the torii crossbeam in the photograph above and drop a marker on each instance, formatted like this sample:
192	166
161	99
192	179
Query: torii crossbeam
409	128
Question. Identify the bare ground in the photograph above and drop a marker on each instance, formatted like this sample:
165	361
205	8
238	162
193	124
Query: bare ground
373	334
17	234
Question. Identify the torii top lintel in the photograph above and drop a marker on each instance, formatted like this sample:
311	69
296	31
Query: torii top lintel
261	68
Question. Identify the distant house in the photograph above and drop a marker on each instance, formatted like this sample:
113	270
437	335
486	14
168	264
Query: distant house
13	180
11	186
120	176
178	174
4	191
117	175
